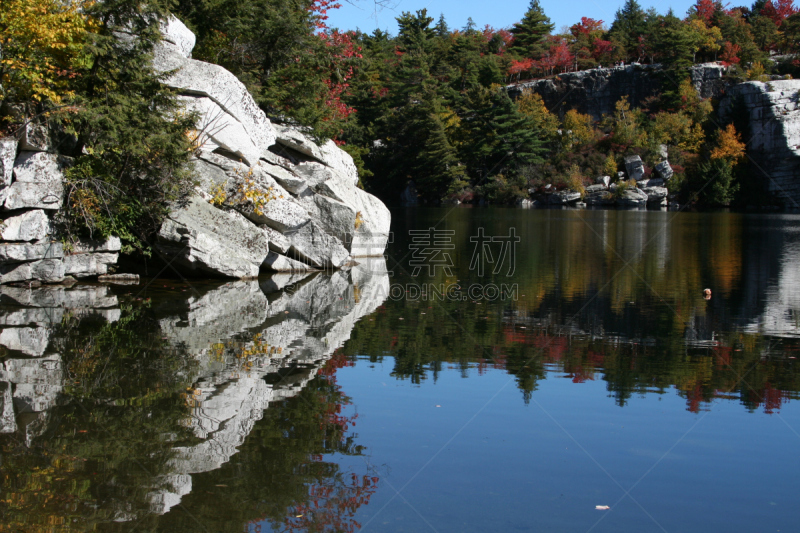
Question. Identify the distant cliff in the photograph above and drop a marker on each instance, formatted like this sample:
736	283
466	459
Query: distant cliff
773	139
595	91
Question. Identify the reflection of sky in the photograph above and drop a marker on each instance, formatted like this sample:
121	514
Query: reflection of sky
362	13
476	458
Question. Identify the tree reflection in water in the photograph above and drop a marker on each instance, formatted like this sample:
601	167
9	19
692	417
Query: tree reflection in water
223	410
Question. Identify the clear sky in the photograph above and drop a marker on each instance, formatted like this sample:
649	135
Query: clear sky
362	14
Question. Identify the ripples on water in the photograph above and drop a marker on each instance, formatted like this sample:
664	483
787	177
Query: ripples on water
344	402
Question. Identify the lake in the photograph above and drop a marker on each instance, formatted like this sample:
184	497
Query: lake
498	370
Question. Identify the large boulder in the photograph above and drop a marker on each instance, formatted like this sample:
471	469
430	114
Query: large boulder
634	167
312	245
38	182
39	167
664	170
208	240
328	153
197	78
88	265
218	129
288	179
22	252
28	226
563	197
655	194
21	195
252	191
598	195
46	270
175	32
632	198
369	233
112	244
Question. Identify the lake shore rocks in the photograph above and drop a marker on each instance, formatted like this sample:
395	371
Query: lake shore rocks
269	195
298	200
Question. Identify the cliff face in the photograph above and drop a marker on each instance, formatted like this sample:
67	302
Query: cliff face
774	137
596	91
268	197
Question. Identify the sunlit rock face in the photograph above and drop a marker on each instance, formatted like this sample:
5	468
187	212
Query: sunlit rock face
300	196
596	91
774	123
31	193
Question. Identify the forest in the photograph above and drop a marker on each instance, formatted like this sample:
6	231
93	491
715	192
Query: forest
429	104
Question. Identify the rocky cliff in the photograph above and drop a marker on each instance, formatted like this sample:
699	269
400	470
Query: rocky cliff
596	91
773	142
268	197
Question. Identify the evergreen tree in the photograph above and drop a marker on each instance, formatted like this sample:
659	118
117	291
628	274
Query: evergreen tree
529	34
470	26
133	139
676	45
502	139
628	26
441	29
415	32
437	168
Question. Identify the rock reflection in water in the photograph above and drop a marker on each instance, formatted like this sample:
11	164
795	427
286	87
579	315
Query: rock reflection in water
246	343
111	406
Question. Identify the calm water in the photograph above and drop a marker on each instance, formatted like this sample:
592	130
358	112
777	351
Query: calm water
582	367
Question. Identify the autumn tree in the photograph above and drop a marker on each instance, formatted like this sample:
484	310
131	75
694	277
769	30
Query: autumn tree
532	105
577	129
585	36
41	49
729	145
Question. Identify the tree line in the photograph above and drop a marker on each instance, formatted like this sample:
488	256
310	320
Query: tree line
427	104
430	104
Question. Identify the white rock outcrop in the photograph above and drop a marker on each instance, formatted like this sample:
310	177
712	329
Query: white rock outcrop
204	239
261	188
773	110
302	195
197	78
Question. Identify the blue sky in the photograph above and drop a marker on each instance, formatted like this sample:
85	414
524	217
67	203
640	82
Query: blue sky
499	13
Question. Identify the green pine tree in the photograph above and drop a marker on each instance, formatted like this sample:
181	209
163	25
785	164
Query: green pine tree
441	27
438	170
134	141
675	44
629	24
529	33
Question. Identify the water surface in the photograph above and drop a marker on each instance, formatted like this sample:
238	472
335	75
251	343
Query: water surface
362	400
